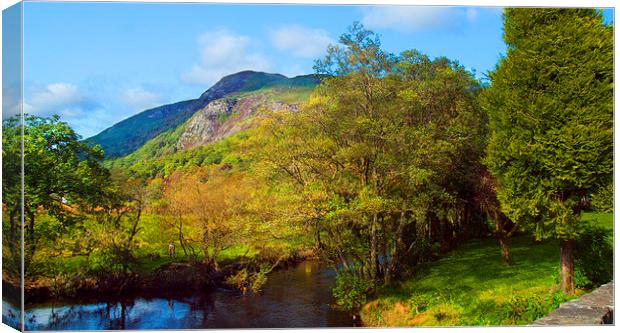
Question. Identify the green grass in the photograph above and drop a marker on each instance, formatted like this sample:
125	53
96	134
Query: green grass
236	252
289	95
292	96
471	286
604	220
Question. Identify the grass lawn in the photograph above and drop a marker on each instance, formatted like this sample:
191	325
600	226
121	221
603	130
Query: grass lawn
471	286
604	220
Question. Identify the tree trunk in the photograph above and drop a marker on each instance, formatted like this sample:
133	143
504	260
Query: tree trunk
29	243
214	260
373	248
181	240
503	243
317	236
15	244
394	264
567	282
502	237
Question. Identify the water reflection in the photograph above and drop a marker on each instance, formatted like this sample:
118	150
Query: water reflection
296	297
11	315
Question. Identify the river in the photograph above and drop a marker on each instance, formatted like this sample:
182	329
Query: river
299	296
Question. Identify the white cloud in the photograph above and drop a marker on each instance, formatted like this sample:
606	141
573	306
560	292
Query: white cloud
417	18
69	102
63	99
221	53
140	99
301	41
52	98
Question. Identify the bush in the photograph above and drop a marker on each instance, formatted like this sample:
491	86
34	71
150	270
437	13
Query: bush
351	291
525	308
581	279
593	258
422	250
238	280
245	280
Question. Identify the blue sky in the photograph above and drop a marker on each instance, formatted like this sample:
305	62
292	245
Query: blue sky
98	63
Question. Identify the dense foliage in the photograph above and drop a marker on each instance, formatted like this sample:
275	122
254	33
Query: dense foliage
593	253
150	161
60	173
382	155
550	107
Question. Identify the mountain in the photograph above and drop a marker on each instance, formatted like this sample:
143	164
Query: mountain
130	134
211	134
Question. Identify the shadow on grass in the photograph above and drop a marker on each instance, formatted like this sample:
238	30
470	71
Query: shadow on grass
476	270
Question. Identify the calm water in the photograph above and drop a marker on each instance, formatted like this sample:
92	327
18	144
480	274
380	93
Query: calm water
296	297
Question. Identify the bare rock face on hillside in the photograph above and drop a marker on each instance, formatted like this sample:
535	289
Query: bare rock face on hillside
224	117
204	124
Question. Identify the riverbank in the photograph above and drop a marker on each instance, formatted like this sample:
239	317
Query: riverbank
175	277
471	286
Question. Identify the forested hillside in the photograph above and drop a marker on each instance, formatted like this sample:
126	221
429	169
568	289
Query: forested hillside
204	138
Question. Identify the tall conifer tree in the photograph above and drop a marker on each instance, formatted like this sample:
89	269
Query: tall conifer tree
550	107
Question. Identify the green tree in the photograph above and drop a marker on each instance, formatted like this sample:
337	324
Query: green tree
61	174
12	193
381	151
550	106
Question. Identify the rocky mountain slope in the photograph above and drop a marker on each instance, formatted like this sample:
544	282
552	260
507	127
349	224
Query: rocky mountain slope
132	133
209	134
227	116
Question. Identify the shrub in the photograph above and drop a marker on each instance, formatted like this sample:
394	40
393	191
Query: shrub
351	291
582	281
245	280
238	280
525	308
259	279
593	257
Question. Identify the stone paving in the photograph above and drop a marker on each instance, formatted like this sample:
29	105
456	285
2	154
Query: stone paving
592	309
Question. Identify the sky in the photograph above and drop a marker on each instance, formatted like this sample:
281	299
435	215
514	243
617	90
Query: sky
96	64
